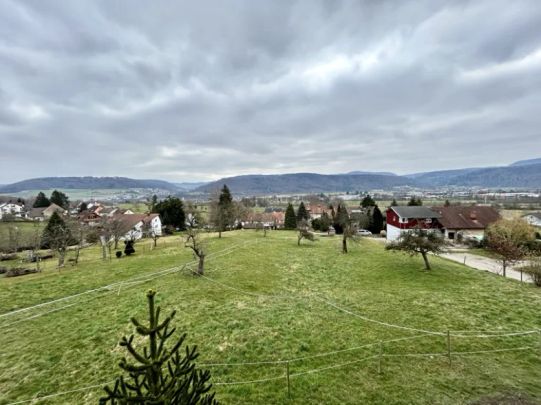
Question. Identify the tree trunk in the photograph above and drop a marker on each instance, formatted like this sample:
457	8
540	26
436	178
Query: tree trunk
201	265
504	263
155	242
425	258
299	240
344	245
219	233
61	255
116	243
76	261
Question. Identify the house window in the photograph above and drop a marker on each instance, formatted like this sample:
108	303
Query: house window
403	220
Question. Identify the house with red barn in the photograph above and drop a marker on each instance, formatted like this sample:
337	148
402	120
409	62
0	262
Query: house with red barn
402	219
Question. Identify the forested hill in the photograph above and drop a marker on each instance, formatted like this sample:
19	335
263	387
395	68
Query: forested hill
305	183
45	183
519	176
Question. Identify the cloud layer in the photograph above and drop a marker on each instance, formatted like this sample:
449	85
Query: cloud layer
200	90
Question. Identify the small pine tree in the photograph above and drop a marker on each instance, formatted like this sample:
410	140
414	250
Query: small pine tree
302	213
129	249
41	201
447	203
290	220
83	207
394	203
160	375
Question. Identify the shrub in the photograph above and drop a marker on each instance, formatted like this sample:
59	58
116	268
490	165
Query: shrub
129	249
92	237
533	269
118	254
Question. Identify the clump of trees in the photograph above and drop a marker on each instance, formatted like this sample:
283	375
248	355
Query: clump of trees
508	239
171	212
159	374
322	223
419	241
57	197
414	202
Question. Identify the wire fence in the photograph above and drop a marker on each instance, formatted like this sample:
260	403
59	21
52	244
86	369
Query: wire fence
286	375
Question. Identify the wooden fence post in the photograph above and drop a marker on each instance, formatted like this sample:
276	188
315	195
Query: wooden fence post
288	384
449	346
380	356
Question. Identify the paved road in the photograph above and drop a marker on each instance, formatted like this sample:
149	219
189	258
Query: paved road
485	263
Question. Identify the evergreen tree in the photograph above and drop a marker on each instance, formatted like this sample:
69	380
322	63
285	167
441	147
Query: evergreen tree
41	201
60	199
394	203
447	203
302	213
341	219
171	212
222	209
57	236
159	375
83	207
290	221
376	223
324	222
129	249
367	201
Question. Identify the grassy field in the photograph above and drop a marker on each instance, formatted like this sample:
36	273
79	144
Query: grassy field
267	299
26	232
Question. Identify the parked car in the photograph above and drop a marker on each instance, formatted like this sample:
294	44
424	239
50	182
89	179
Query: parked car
364	232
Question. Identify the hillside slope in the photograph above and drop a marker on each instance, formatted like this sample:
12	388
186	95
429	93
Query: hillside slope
85	183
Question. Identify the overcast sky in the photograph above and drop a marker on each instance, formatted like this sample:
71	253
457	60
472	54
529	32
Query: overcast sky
205	89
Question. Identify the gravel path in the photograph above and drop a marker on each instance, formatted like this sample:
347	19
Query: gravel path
485	263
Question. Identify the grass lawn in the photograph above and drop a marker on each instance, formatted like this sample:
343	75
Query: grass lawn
269	299
26	231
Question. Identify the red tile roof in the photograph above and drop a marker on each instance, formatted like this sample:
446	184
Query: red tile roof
473	217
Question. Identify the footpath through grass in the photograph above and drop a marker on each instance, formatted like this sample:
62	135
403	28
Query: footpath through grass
266	299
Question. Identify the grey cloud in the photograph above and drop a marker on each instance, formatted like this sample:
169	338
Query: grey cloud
197	90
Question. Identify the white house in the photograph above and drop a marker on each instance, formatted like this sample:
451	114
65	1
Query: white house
14	209
533	218
135	225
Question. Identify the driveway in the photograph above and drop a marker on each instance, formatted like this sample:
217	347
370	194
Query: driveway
485	263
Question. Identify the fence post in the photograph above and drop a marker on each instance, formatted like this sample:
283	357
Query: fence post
288	384
380	356
449	346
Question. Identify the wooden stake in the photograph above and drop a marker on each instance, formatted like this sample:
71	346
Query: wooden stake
288	384
449	346
380	356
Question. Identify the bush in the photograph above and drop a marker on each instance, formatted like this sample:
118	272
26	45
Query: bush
168	230
129	249
533	269
118	254
92	237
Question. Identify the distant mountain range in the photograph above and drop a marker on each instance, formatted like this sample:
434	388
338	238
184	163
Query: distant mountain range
304	183
45	183
521	174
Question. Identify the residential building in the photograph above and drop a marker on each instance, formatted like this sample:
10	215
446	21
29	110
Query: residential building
402	219
533	218
466	221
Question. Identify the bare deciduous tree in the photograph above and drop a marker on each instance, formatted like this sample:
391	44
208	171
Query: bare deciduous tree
198	247
419	241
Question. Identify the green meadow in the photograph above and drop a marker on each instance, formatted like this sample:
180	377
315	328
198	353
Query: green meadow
368	327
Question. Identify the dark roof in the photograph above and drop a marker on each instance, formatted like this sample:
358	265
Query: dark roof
415	212
473	217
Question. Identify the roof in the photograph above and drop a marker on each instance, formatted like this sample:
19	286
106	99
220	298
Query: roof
472	217
130	220
415	212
